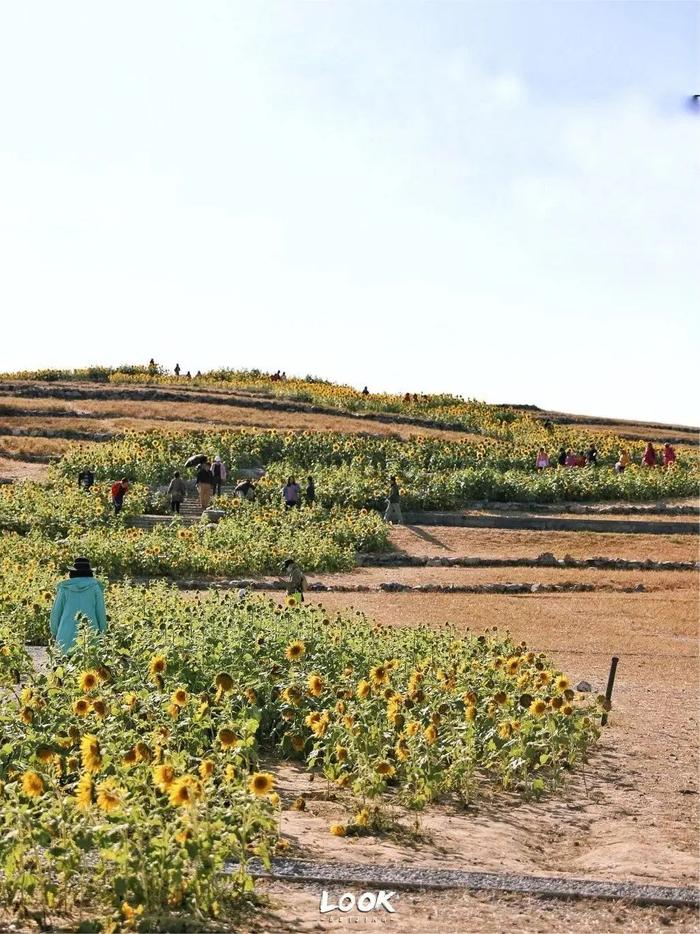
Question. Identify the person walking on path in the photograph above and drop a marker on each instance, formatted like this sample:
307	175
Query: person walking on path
86	478
219	473
118	492
177	492
649	458
310	493
291	493
81	593
669	455
296	582
205	484
393	503
542	459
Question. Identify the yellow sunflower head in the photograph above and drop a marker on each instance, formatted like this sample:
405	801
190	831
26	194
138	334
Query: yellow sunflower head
261	784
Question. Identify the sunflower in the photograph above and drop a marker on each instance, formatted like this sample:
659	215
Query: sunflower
206	768
157	665
32	784
143	752
338	830
261	784
290	601
251	696
109	796
274	799
103	673
315	685
385	768
362	818
224	682
83	791
292	695
229	773
27	715
185	791
90	753
81	707
341	753
562	683
295	650
379	674
130	700
297	743
130	758
556	703
430	734
413	728
44	753
87	681
179	697
544	677
99	708
567	710
538	707
401	749
500	698
227	738
470	712
363	689
505	730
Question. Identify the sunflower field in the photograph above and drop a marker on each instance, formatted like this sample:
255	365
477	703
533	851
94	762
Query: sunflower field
137	774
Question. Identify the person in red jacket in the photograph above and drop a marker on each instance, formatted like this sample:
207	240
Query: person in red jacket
649	458
669	455
119	491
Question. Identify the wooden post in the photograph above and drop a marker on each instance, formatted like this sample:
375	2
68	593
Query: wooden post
609	690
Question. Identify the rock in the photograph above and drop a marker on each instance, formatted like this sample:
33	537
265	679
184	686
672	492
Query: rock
640	588
584	687
547	558
535	587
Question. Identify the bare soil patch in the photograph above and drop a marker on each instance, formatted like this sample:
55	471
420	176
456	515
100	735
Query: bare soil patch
443	541
374	576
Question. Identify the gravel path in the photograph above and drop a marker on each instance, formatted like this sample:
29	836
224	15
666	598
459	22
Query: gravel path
388	877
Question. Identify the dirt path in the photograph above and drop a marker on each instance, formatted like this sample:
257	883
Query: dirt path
442	541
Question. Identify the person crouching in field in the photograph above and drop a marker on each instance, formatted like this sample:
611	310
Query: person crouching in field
81	593
205	484
118	492
177	492
393	503
295	580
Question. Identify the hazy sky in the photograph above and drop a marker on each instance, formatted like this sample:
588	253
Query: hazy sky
497	199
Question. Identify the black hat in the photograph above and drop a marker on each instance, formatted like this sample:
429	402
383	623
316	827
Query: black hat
81	567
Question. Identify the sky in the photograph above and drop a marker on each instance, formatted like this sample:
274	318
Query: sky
496	199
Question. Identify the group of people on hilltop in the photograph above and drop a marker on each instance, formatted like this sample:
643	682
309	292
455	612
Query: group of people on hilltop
567	457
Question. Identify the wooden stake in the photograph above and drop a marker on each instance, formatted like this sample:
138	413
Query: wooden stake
609	689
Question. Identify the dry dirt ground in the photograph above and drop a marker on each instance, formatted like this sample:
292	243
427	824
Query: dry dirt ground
448	541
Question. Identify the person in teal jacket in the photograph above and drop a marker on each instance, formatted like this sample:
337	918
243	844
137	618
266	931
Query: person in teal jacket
80	594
